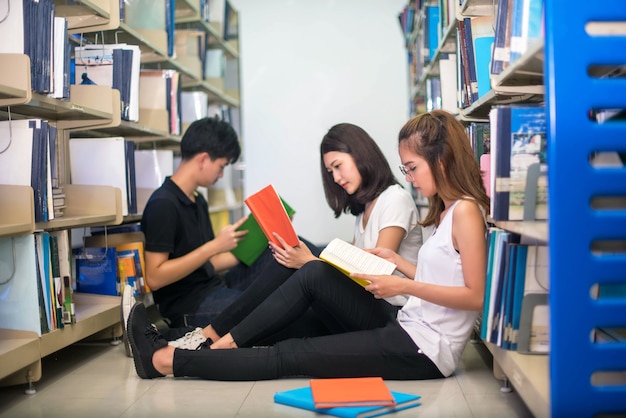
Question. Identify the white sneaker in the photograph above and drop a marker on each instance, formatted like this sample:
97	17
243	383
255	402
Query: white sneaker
128	300
192	340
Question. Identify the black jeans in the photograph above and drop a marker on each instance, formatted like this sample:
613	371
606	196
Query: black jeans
246	288
371	342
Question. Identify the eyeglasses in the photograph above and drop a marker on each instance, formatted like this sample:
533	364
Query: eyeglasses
407	173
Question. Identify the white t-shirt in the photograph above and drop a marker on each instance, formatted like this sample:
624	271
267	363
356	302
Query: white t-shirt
440	332
394	207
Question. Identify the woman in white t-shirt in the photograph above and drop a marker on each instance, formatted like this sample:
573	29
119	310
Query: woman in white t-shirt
423	340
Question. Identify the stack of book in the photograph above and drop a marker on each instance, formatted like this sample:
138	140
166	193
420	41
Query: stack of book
348	397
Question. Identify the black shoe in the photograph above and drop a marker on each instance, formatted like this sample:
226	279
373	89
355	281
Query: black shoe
144	340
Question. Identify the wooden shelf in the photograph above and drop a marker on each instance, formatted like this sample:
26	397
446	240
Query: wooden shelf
90	105
19	350
86	206
17	208
536	230
15	86
94	313
529	375
88	15
476	8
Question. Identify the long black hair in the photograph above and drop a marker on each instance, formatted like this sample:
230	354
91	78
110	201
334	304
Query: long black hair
376	175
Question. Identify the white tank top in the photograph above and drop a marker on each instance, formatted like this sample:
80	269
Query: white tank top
440	332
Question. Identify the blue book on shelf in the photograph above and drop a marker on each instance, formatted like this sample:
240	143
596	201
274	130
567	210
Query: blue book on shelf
518	293
96	270
433	30
302	398
500	57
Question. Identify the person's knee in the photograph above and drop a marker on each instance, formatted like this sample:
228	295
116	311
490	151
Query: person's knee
314	271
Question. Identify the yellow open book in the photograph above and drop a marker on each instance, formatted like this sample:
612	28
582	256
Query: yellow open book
348	258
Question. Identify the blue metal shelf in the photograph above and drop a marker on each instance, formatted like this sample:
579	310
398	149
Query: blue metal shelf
574	226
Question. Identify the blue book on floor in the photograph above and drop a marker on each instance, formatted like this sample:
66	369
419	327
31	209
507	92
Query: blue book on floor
303	399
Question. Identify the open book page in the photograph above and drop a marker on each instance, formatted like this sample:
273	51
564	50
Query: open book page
350	259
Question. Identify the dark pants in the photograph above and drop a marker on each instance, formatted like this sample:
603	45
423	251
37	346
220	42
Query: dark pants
246	288
371	342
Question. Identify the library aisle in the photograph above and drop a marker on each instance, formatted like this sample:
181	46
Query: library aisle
97	379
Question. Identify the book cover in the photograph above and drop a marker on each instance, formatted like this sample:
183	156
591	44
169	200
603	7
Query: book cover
348	258
500	53
252	246
356	391
519	163
302	398
96	270
269	212
518	293
137	249
483	39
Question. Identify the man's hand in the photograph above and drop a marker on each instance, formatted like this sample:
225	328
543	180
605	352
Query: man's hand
228	237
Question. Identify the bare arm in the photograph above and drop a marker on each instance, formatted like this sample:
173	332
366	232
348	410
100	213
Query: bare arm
468	235
162	271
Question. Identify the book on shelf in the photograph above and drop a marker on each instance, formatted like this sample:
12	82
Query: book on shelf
356	391
526	26
482	33
302	398
20	286
501	51
96	270
348	259
113	65
449	86
250	248
126	239
518	162
515	312
432	23
271	215
467	66
42	245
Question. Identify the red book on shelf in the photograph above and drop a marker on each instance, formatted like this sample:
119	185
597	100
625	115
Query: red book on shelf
270	214
355	391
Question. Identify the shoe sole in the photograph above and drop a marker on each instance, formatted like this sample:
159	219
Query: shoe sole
124	320
133	346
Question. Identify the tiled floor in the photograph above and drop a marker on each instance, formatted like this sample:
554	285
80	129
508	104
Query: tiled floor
98	380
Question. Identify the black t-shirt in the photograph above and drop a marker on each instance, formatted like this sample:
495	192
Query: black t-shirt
173	224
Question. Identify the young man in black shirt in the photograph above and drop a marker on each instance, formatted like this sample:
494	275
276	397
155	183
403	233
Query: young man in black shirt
184	256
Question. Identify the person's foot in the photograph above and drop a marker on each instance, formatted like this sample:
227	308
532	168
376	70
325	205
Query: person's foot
144	340
193	340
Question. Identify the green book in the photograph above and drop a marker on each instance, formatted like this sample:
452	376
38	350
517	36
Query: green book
252	246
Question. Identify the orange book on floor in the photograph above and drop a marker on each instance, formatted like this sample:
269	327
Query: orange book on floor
270	214
357	391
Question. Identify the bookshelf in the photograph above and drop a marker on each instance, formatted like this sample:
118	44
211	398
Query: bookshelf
91	111
520	82
573	88
593	254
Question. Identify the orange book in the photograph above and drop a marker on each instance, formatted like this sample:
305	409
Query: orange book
270	214
356	391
